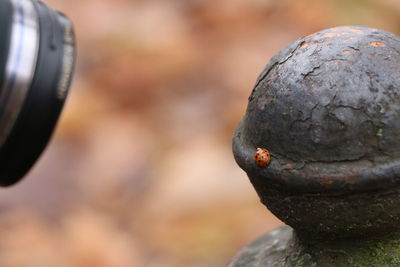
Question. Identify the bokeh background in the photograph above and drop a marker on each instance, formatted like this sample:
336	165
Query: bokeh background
140	170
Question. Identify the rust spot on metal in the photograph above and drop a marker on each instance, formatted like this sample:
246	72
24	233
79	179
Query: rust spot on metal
289	165
349	39
304	45
351	179
325	181
329	35
346	52
357	31
377	44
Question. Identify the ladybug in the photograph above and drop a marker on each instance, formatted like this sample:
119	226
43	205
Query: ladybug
262	157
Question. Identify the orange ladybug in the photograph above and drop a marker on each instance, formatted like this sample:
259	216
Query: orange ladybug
262	157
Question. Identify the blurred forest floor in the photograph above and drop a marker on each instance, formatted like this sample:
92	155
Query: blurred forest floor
140	170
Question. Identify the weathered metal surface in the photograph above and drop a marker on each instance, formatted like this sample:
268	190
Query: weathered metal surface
327	110
268	250
282	248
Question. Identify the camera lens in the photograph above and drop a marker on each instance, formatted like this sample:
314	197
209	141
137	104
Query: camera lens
37	56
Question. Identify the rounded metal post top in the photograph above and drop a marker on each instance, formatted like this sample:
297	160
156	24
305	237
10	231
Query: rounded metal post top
326	109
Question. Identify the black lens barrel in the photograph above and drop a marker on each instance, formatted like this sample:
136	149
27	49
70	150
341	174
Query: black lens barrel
6	12
44	101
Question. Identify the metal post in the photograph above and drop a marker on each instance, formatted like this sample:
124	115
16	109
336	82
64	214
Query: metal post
320	142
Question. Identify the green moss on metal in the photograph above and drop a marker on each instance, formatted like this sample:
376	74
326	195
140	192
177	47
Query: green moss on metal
283	248
383	252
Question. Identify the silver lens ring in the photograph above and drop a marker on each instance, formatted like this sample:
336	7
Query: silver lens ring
20	66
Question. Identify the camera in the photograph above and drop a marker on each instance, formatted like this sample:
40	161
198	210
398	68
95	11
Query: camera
37	59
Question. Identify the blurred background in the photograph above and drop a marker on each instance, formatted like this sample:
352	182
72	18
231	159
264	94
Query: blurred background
140	170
